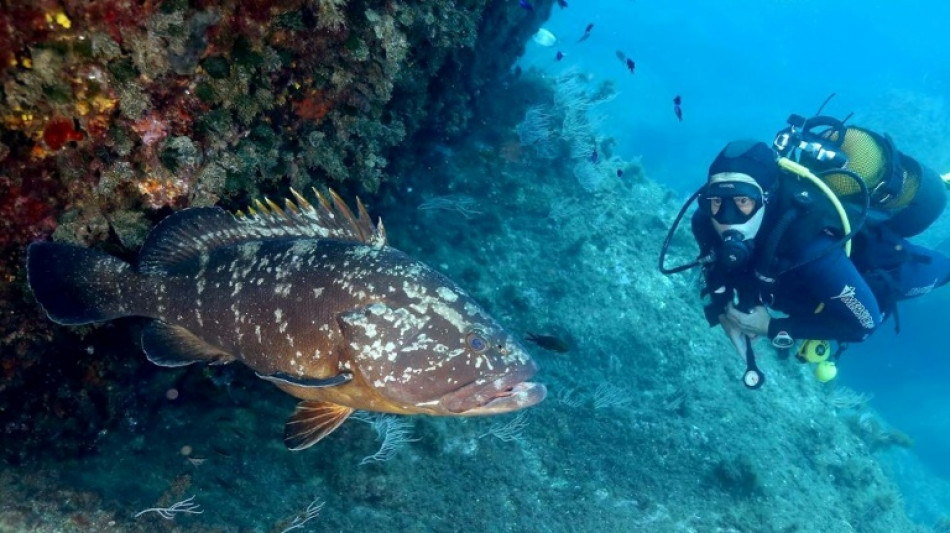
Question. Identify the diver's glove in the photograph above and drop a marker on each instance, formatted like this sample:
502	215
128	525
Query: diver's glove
735	335
753	323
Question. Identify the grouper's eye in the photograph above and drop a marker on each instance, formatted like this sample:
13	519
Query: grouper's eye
476	342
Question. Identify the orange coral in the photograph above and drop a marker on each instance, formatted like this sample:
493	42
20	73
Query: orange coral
151	129
314	106
160	192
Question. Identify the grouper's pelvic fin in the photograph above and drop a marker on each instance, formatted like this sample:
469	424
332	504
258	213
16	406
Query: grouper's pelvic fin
181	239
77	285
168	345
311	421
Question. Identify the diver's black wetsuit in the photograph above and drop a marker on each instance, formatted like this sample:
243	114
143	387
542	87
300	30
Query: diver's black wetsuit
827	297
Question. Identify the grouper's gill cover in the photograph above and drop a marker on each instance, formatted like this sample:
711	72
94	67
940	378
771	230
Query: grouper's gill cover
312	299
441	343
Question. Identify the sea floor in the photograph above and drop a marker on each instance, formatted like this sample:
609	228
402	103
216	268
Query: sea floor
646	428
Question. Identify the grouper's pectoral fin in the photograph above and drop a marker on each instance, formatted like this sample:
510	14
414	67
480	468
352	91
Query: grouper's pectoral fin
311	421
167	345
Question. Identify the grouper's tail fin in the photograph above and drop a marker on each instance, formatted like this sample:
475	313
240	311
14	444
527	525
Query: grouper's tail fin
77	285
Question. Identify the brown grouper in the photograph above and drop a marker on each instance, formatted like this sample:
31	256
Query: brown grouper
312	299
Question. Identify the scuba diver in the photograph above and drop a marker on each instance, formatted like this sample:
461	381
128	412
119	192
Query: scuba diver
806	240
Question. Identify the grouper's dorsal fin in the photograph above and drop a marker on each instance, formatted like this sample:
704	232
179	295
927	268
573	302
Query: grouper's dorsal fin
185	235
331	219
192	232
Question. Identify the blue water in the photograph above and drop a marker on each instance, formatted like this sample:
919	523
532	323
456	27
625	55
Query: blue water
742	67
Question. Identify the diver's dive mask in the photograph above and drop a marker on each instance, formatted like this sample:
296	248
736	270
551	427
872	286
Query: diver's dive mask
736	206
733	201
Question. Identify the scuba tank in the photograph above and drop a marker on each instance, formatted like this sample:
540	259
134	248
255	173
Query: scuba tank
903	195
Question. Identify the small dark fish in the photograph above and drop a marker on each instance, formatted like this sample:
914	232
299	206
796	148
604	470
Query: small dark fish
619	172
631	65
586	32
562	3
594	157
549	342
526	5
559	56
621	56
677	108
220	450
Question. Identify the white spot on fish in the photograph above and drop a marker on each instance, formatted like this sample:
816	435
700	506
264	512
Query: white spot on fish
237	288
412	291
302	247
282	289
447	294
249	250
472	309
317	292
257	331
278	313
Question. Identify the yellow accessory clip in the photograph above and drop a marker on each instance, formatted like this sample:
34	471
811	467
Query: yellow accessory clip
825	371
814	351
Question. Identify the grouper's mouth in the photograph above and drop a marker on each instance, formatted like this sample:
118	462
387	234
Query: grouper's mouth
516	397
503	395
